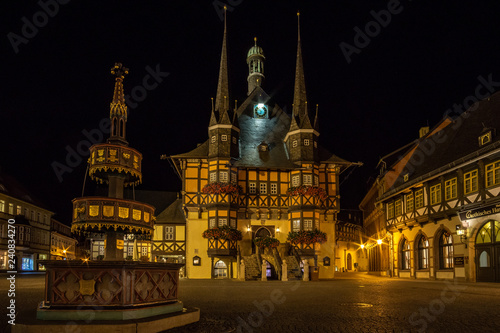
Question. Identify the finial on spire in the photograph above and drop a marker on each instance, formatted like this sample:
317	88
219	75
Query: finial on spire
212	103
299	98
119	71
255	41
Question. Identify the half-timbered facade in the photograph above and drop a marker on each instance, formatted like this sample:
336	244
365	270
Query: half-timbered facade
440	199
262	172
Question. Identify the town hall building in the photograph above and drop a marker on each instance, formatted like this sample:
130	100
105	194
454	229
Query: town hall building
261	175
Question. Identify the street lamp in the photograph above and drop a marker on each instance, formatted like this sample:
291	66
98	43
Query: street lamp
362	246
379	241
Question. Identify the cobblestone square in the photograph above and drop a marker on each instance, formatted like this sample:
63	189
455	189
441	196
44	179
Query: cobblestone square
353	302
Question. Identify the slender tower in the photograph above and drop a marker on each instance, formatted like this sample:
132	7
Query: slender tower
116	164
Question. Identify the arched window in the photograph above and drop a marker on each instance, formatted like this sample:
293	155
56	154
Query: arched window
446	250
423	252
220	269
489	233
114	128
405	255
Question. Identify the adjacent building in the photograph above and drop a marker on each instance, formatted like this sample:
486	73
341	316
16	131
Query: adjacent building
31	221
436	207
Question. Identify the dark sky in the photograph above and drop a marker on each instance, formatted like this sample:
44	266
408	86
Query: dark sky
428	57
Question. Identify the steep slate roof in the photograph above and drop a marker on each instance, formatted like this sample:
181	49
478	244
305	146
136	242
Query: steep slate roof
172	214
11	187
199	152
456	143
158	199
255	131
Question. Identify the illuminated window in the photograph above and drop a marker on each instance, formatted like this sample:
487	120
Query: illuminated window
445	251
11	209
274	188
2	206
294	143
19	210
470	182
409	202
296	225
233	223
252	188
211	223
306	142
223	176
223	137
213	177
233	177
308	224
263	188
398	208
390	210
450	189
295	181
316	180
493	174
169	232
423	253
144	251
405	254
213	139
222	222
435	194
315	144
307	180
419	199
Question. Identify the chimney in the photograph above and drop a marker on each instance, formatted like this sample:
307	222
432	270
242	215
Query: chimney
423	131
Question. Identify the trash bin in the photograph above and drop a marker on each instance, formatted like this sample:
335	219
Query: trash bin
315	273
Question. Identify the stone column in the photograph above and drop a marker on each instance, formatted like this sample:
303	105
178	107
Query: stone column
114	246
242	270
284	271
306	270
264	269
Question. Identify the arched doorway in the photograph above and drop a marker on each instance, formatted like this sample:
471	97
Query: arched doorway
488	252
262	232
349	262
220	270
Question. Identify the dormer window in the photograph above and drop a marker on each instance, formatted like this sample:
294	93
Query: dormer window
405	177
224	137
214	138
263	146
485	139
486	136
294	143
306	142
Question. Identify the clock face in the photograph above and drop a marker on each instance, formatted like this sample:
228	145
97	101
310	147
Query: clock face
260	110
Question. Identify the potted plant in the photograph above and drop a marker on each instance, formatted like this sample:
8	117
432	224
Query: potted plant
224	233
306	237
309	190
266	242
220	188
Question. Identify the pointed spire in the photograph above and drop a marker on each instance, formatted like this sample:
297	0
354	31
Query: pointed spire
223	84
316	123
299	93
213	118
118	106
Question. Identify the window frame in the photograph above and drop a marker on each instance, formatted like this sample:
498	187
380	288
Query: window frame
274	188
435	194
494	172
422	253
450	185
471	179
170	231
419	199
263	188
252	187
390	210
398	207
446	250
410	198
405	255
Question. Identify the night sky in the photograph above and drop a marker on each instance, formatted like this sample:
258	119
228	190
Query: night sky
58	83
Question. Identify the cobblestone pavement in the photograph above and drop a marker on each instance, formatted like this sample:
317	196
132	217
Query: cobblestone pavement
353	302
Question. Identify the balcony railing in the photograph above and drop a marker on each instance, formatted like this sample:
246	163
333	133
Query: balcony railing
91	213
107	158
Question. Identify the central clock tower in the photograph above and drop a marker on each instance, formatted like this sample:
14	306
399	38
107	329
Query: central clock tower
255	61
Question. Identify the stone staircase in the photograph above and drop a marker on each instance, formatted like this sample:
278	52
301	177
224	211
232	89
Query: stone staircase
294	272
253	269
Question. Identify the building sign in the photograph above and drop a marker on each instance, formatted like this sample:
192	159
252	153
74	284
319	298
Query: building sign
479	212
458	261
